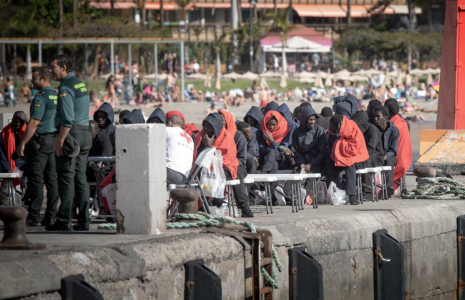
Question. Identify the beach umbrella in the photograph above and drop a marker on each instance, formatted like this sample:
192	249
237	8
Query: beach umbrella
372	72
360	72
218	81
263	83
416	72
329	78
162	76
270	74
232	75
342	73
282	82
106	76
306	80
249	76
198	76
305	74
400	77
355	78
387	79
429	79
207	82
318	80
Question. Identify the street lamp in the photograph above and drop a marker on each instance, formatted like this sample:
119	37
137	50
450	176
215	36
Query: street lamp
252	6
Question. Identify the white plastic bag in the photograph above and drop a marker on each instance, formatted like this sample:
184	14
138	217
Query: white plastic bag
213	180
378	181
336	196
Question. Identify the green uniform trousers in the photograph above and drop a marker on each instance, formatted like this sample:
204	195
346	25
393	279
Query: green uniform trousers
72	180
41	167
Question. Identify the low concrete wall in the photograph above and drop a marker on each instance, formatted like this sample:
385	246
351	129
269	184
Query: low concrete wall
342	243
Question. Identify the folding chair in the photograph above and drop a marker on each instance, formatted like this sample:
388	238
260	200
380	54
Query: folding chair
266	179
229	192
204	159
314	177
99	177
384	169
372	172
359	173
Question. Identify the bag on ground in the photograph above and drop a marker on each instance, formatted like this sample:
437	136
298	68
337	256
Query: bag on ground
336	196
213	179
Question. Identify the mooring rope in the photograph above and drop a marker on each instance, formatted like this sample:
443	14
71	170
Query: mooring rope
204	219
439	188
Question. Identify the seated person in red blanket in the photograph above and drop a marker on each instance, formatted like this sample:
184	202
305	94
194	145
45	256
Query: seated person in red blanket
349	153
9	141
214	135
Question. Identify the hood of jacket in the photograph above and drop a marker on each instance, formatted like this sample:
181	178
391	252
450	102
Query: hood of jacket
255	113
361	118
306	112
216	121
135	116
270	106
108	109
158	113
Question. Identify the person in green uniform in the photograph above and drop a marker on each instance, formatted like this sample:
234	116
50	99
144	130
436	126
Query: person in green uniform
71	146
37	146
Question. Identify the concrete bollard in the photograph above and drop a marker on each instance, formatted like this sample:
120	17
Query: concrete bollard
188	200
141	195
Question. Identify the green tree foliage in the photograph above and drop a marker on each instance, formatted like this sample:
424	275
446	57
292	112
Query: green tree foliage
243	37
371	44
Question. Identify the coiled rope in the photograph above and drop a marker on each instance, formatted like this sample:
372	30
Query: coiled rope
439	188
203	219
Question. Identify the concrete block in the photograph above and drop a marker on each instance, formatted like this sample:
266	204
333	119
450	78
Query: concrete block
141	153
5	119
442	149
27	276
129	263
141	178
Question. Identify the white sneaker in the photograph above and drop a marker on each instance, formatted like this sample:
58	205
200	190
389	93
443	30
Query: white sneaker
279	196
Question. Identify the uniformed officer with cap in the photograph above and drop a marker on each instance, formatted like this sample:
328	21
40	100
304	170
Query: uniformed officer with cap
71	146
37	146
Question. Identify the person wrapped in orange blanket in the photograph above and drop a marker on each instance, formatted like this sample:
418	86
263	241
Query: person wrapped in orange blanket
349	153
214	135
404	151
10	137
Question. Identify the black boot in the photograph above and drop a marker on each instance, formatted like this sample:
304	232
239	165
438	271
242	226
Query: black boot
353	200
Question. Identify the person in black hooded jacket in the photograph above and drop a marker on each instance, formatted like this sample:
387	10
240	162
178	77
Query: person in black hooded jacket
105	118
254	118
270	106
390	140
157	116
134	117
309	143
374	146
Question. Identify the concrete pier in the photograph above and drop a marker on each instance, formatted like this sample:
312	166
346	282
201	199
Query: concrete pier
339	237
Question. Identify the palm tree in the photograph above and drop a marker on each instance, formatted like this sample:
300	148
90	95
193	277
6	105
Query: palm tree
25	25
183	4
217	41
281	24
162	13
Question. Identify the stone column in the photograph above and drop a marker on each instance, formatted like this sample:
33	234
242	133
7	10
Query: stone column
141	195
